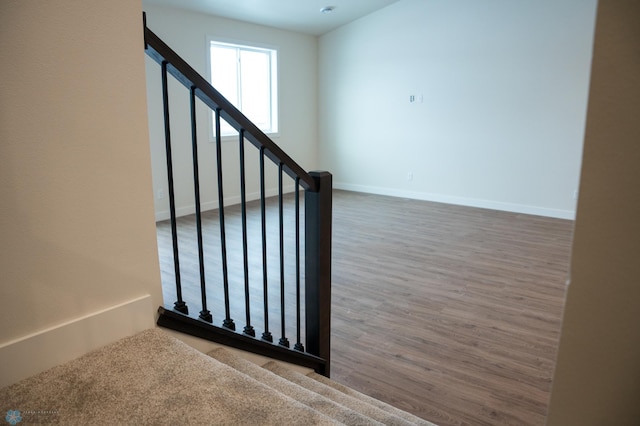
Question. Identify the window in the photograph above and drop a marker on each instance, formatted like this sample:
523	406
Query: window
247	77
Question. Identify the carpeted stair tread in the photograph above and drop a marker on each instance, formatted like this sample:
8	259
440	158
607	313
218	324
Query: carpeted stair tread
151	378
352	402
313	400
366	398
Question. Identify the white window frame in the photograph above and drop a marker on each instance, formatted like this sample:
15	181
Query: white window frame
273	89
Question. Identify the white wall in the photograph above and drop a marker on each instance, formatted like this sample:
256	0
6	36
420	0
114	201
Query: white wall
597	378
504	86
76	216
186	33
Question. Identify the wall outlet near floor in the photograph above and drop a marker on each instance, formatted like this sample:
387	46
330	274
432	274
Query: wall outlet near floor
160	194
410	176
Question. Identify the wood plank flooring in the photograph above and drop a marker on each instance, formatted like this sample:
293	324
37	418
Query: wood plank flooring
451	313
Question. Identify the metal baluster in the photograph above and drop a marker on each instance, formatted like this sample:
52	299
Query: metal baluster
266	335
228	322
205	315
248	329
283	340
298	346
179	305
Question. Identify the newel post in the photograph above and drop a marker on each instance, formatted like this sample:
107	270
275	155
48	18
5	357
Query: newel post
318	208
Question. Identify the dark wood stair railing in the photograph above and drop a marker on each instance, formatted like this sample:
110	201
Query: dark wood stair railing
317	186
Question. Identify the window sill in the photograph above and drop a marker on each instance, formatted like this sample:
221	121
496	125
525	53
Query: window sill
234	138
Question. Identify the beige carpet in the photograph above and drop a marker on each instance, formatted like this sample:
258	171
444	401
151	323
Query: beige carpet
153	378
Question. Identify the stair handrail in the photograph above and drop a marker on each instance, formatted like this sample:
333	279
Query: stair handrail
318	207
190	78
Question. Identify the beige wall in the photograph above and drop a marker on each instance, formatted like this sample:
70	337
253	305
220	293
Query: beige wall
597	380
76	212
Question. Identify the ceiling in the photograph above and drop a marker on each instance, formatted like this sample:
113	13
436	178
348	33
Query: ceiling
295	15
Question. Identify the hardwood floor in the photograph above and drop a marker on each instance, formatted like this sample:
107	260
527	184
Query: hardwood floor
451	313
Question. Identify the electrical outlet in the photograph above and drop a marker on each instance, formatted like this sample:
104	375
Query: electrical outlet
160	194
410	176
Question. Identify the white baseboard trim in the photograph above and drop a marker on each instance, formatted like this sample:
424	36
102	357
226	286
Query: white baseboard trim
37	352
462	201
212	205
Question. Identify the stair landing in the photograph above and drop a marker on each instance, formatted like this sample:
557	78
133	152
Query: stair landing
154	378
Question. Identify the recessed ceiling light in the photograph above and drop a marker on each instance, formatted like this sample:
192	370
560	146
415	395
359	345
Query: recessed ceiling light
327	9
